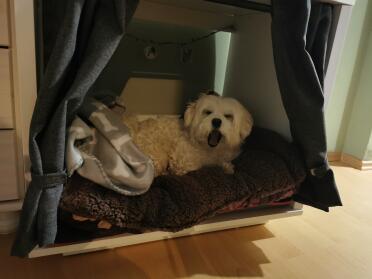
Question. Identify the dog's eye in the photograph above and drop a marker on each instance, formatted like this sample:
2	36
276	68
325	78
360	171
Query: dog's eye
229	116
207	112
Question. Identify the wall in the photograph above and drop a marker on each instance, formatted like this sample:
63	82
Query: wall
206	70
369	150
350	91
360	124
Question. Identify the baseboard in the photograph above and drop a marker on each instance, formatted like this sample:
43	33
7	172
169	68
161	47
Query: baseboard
349	160
367	165
334	156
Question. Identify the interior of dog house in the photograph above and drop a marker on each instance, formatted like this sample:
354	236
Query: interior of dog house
98	62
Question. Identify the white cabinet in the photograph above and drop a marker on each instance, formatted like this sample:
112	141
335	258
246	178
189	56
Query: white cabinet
4	26
17	97
6	105
8	166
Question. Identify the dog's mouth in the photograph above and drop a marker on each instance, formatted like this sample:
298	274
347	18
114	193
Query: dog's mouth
214	138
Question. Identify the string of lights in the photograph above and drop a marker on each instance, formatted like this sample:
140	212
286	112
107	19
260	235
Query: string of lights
171	43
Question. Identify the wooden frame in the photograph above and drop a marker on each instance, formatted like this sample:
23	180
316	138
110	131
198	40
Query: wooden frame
207	15
195	13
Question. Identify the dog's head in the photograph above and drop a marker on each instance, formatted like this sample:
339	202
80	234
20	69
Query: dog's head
214	121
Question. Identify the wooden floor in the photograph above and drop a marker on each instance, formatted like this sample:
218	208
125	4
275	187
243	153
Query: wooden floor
316	245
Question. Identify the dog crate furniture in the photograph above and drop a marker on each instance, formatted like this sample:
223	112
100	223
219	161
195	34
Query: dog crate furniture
248	25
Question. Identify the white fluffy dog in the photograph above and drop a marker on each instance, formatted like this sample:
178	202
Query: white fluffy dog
211	133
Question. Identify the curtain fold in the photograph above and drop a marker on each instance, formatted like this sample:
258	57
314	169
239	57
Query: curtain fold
300	32
87	37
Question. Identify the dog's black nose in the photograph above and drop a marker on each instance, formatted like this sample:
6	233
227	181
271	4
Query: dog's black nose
216	123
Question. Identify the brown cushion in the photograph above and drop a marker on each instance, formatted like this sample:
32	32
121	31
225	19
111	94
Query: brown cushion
268	168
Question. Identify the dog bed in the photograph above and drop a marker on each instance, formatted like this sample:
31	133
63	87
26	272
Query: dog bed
268	169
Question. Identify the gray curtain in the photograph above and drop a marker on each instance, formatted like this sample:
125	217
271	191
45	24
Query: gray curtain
83	34
300	32
80	40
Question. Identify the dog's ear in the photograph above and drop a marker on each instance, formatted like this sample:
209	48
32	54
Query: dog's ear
189	114
246	124
209	93
213	93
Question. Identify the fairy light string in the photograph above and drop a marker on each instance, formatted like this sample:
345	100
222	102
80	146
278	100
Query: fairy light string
172	43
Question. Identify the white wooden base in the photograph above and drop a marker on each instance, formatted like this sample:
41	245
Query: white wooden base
221	222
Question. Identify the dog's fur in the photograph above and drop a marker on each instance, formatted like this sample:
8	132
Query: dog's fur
179	146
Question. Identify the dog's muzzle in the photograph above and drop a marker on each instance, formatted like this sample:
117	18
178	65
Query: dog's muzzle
214	138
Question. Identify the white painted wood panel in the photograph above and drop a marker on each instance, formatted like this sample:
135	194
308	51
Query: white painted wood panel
4	27
6	107
251	75
218	223
8	168
23	64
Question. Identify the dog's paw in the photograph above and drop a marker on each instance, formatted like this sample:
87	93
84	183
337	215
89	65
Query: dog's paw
228	168
103	224
81	218
179	172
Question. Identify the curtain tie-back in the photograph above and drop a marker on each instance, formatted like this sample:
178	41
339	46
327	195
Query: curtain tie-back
320	171
49	180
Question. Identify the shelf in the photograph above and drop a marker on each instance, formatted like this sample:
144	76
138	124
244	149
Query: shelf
183	16
230	7
204	14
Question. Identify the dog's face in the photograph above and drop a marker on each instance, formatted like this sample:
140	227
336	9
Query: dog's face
217	121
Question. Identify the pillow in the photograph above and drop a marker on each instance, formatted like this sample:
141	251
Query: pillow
267	170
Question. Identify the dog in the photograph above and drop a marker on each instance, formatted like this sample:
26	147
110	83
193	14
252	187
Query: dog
210	133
